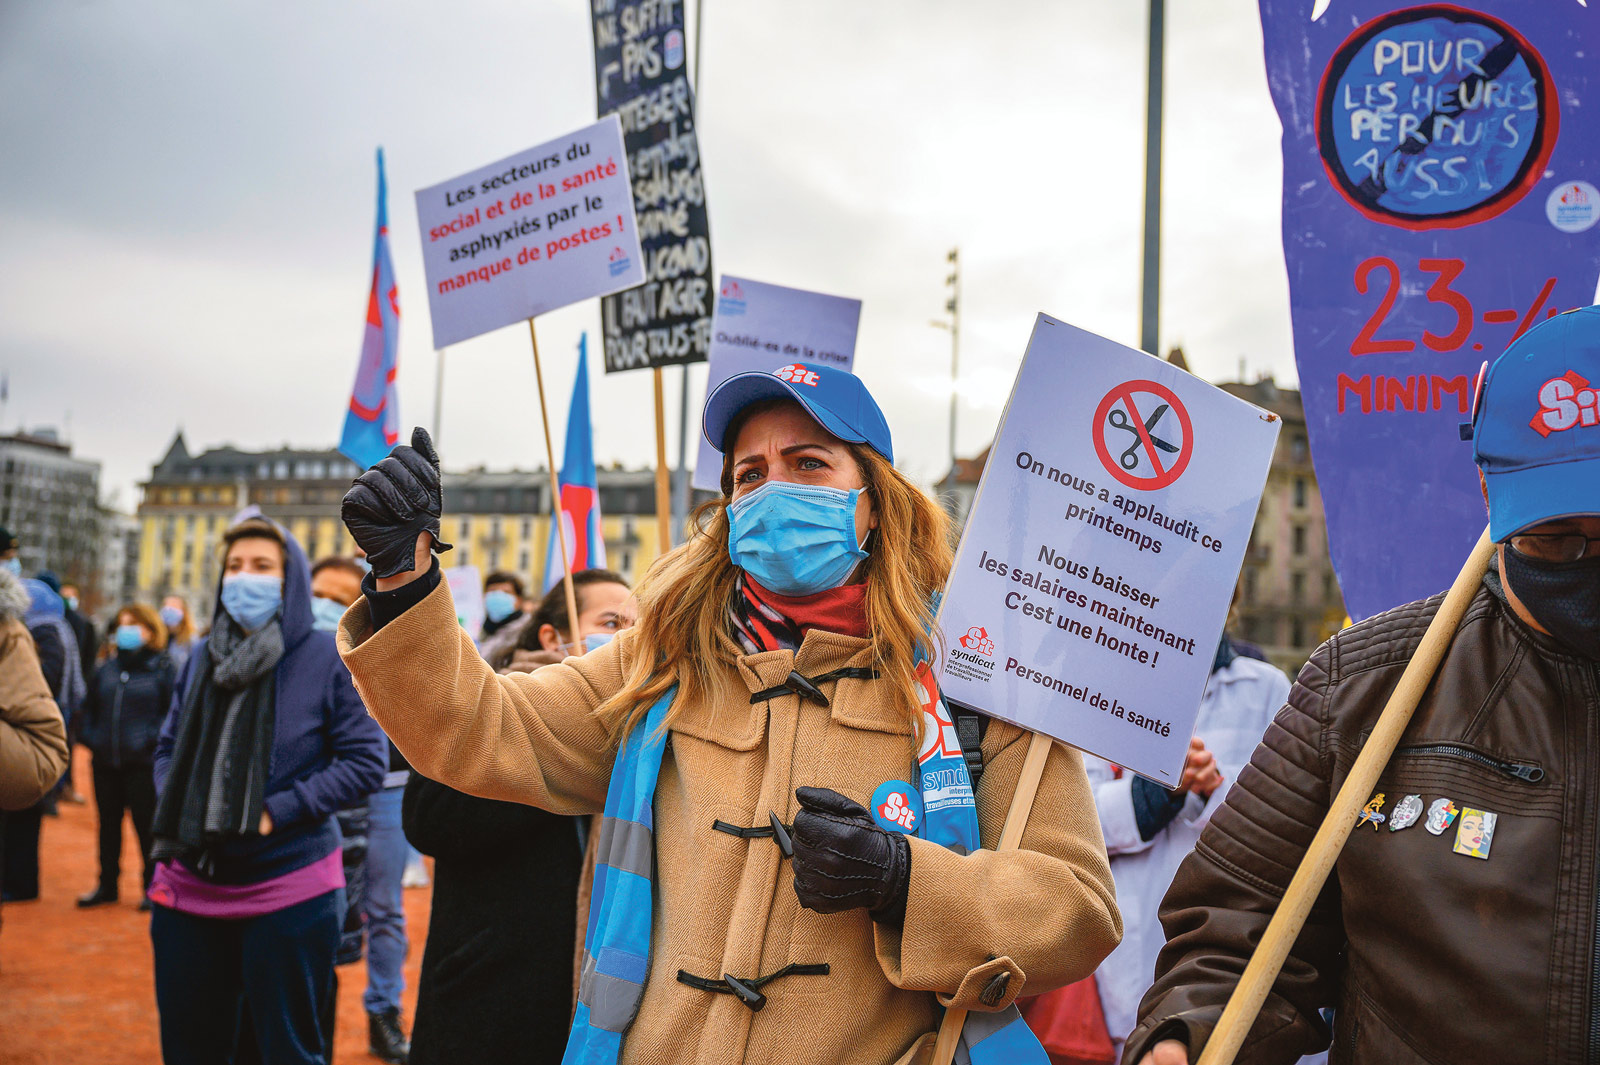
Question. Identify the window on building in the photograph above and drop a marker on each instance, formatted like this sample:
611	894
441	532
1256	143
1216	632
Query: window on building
466	526
1297	590
524	562
1249	592
1297	632
527	530
281	470
1327	587
1299	540
318	469
1300	491
1298	448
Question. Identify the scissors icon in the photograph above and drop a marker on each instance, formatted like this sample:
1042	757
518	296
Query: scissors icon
1117	419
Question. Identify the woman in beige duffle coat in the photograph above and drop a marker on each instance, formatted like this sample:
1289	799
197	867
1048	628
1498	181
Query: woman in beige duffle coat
931	928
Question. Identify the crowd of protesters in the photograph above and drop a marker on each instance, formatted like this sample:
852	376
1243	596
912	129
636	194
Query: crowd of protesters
646	818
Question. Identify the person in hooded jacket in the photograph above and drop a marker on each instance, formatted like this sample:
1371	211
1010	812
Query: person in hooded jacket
265	741
121	717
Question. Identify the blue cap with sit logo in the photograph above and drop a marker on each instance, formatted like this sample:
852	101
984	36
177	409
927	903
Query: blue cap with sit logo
1536	428
836	398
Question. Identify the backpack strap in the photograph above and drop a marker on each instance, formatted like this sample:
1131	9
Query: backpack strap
970	729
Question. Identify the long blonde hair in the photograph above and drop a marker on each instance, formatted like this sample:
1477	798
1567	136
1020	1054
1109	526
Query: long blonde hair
684	635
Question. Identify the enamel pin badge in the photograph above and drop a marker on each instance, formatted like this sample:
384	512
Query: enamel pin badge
1475	833
1405	813
1371	814
1441	815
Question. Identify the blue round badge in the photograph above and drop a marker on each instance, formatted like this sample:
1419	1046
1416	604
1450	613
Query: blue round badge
897	806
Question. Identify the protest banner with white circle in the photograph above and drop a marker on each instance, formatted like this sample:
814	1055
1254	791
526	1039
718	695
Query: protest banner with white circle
1094	576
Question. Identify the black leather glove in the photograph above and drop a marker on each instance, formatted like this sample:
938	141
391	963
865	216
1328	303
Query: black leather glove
844	861
393	503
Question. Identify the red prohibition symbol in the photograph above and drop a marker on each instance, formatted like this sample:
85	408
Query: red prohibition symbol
1143	435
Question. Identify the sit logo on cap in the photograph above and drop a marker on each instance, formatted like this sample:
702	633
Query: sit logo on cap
797	374
1564	402
897	807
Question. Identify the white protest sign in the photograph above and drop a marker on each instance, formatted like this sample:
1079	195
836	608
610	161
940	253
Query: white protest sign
535	231
466	589
1095	573
757	326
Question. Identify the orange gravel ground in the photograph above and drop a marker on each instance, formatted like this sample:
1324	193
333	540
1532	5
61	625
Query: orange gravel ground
76	986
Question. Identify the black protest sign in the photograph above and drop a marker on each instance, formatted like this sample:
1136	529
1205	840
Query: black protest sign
641	74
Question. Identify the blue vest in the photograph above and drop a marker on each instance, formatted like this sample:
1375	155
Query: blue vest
616	956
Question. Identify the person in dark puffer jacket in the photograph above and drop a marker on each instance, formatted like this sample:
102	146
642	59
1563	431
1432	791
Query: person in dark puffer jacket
128	698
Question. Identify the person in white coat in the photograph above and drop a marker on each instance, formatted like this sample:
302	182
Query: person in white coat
1149	830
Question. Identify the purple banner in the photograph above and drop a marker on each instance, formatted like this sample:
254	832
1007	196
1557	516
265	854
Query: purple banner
1439	170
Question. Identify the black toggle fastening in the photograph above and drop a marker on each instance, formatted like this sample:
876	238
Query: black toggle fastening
797	683
780	835
747	994
746	990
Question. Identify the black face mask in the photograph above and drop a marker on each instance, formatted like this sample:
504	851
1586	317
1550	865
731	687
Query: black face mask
1564	597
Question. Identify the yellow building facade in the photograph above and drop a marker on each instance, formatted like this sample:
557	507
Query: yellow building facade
497	521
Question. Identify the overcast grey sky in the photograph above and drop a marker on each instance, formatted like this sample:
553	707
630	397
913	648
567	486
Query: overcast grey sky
187	202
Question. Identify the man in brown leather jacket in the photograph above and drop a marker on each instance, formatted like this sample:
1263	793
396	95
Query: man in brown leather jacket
1460	923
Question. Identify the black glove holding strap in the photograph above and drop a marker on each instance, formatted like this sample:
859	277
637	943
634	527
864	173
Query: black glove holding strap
844	861
393	503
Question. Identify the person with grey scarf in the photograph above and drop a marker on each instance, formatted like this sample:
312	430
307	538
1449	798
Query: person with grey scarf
265	742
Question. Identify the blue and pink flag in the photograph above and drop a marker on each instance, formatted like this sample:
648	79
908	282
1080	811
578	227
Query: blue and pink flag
580	488
372	424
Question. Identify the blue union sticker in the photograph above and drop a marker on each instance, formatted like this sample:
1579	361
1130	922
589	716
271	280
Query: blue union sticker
897	806
1435	117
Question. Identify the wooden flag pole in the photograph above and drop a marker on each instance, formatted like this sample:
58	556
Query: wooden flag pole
1262	970
576	647
944	1049
663	485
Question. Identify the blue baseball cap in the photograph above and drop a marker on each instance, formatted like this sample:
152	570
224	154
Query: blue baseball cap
1536	431
836	398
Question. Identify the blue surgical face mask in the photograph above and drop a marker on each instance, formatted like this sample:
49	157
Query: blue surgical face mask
795	539
14	565
171	617
129	637
252	599
596	640
325	613
71	601
499	605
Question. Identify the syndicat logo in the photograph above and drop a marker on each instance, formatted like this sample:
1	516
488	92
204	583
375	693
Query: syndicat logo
977	639
730	301
619	262
971	657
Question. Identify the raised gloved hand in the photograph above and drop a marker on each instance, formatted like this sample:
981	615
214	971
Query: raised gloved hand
844	861
393	503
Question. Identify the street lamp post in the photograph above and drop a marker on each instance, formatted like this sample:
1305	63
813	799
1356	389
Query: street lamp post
952	306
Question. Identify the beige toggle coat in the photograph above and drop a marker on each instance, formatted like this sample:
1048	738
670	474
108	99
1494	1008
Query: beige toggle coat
1045	914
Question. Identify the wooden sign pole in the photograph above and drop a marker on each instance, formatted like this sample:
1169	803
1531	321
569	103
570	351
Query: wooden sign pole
663	485
944	1049
1262	970
575	646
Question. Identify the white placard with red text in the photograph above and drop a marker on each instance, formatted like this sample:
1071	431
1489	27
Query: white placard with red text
535	231
1094	576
